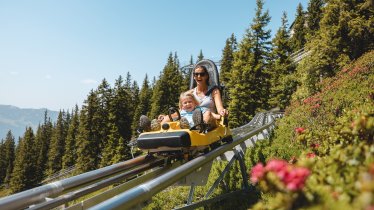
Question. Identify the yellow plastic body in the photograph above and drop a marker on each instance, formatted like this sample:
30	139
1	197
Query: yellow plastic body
200	139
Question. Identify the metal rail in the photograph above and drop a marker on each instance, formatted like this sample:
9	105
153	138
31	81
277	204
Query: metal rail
144	192
39	194
96	186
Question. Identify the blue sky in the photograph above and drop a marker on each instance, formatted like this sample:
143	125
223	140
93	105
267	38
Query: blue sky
52	53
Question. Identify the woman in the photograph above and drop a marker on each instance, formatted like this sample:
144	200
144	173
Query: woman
209	97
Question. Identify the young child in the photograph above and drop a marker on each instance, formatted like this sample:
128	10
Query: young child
188	104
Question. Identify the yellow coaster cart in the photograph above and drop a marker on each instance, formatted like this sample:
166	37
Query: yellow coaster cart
186	143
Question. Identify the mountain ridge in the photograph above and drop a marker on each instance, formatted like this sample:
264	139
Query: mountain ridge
17	119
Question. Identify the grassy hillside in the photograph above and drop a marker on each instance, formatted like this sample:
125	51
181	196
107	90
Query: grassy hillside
331	135
325	142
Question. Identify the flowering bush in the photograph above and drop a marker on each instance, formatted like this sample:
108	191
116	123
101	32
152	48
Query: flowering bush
292	177
328	140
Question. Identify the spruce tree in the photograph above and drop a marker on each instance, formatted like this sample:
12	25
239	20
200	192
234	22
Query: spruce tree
226	65
101	126
120	119
191	60
3	164
249	85
88	140
314	16
24	173
200	56
57	146
135	91
345	34
283	83
186	75
144	105
298	38
176	60
70	155
167	89
9	151
42	142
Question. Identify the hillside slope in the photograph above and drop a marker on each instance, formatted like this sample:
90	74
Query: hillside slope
330	136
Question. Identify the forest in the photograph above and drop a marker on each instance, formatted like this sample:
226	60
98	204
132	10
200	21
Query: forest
325	136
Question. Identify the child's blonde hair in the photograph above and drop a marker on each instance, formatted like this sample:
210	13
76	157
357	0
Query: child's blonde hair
187	94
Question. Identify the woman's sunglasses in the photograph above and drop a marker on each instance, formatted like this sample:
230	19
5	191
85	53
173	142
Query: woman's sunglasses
202	74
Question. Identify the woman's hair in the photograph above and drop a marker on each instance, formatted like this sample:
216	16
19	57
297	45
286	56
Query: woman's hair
185	95
205	70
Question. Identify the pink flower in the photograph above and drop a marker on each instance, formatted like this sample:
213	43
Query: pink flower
257	172
279	167
316	106
293	177
299	130
296	177
310	155
314	145
276	165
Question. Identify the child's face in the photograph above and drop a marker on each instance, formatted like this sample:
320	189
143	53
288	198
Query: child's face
188	104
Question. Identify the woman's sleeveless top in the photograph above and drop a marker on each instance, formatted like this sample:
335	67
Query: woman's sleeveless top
205	101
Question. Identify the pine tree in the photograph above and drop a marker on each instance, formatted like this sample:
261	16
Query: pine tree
191	60
200	56
88	140
3	164
24	172
42	141
134	99
128	81
314	16
144	105
249	85
176	60
226	65
104	95
57	146
345	34
299	31
186	75
283	83
167	89
9	151
70	155
120	119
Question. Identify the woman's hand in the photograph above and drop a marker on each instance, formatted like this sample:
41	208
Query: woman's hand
224	112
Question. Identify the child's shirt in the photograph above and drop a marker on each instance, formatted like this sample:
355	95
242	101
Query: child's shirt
188	115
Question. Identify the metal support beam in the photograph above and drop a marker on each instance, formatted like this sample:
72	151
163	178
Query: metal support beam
190	196
243	169
221	176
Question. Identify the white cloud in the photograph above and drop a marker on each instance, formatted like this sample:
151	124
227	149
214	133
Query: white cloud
48	76
89	81
14	73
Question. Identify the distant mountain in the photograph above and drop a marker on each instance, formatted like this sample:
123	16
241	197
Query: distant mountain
17	119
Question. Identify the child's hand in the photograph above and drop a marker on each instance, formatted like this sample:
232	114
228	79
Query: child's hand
160	117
